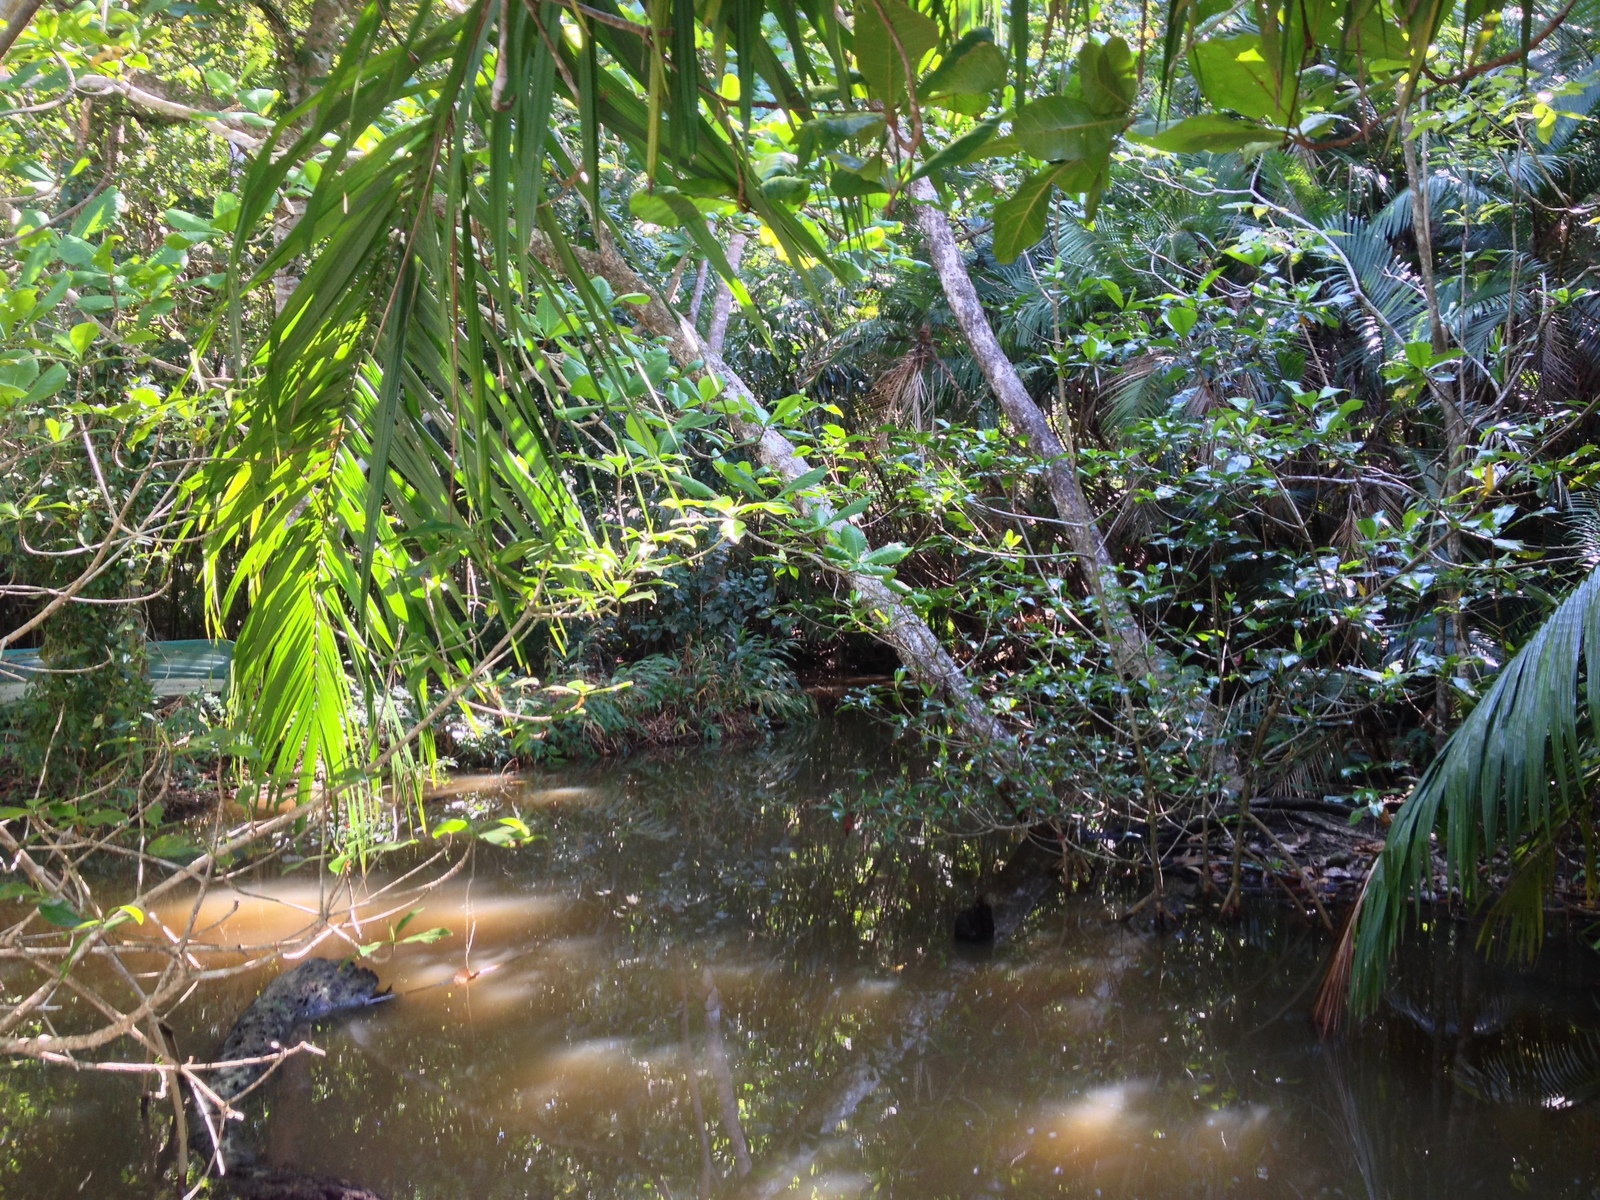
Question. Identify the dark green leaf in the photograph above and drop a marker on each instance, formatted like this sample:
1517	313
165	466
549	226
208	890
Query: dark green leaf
849	184
974	67
1234	75
879	55
59	912
1062	128
1020	221
1216	132
959	151
786	189
1108	74
174	847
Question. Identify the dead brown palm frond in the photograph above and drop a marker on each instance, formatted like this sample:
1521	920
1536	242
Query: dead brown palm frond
1557	365
1333	997
1348	536
899	396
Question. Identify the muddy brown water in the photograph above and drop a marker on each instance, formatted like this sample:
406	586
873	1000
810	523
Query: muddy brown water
558	1042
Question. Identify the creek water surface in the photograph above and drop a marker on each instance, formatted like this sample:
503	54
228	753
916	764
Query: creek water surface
560	1041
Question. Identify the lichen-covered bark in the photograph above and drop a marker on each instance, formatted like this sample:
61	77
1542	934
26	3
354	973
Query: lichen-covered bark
1127	638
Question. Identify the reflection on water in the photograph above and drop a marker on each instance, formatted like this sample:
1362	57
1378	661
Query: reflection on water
559	1043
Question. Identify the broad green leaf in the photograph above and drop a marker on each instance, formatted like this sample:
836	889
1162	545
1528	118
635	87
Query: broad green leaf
225	211
1373	40
1000	147
60	913
1233	74
1019	222
707	189
959	151
1063	128
190	226
851	540
1181	320
847	184
174	847
974	67
82	336
52	381
810	479
886	555
879	54
1216	132
258	100
652	207
1108	74
99	216
822	134
786	189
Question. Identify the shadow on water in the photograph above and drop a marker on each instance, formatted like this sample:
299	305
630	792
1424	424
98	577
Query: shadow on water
697	970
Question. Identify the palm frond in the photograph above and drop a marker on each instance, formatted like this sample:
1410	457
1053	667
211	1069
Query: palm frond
1506	776
398	476
1543	1071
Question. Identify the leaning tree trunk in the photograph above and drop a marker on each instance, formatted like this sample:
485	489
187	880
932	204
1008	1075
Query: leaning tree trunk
890	618
1135	657
15	14
1455	425
722	304
1128	642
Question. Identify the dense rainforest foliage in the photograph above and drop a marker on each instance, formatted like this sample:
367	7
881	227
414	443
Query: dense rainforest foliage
1154	413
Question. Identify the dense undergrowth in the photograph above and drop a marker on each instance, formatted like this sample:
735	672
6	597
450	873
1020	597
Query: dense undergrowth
1184	423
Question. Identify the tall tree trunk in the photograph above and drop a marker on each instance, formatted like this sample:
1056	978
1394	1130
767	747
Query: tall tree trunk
699	292
1135	657
1455	425
722	306
890	618
1128	642
16	14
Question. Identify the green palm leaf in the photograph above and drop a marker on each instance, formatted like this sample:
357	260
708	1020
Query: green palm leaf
1505	777
399	437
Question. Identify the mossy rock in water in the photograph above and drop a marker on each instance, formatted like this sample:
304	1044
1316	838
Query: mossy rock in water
317	988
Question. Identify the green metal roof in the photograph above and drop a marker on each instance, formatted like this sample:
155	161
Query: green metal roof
179	668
